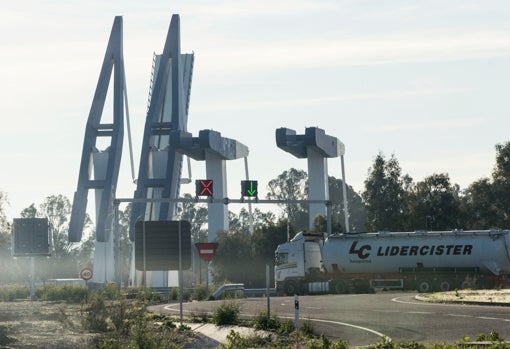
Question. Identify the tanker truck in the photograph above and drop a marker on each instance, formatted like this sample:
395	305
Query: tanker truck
363	262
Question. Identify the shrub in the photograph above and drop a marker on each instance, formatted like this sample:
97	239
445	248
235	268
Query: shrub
110	291
307	329
262	322
4	338
148	295
68	293
286	327
324	343
200	293
235	341
492	336
11	293
174	294
96	314
227	313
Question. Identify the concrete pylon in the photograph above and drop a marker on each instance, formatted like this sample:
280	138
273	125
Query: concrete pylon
316	146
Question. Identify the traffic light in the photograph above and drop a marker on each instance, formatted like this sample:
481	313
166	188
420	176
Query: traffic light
249	188
204	187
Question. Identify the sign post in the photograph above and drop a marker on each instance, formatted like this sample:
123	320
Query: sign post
206	252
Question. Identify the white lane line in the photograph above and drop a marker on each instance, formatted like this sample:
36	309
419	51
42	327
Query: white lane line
398	300
464	305
347	325
170	307
354	326
420	312
458	315
489	318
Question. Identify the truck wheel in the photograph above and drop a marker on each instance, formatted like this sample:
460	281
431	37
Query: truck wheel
424	286
290	288
340	287
444	285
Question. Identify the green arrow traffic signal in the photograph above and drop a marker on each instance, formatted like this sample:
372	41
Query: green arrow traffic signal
249	188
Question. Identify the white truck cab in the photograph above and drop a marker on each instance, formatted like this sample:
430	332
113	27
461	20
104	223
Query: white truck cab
296	261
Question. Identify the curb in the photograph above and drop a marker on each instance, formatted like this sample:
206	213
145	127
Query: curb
422	298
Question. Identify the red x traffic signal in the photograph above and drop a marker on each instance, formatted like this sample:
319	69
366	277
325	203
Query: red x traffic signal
204	187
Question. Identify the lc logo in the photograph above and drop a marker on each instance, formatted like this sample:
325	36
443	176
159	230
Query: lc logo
361	252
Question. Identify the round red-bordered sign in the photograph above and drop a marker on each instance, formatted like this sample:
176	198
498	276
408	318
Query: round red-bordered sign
86	274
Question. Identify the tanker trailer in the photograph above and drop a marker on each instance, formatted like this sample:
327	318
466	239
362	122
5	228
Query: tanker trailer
361	262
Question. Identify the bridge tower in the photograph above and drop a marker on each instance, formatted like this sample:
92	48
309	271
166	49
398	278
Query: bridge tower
99	169
160	165
316	146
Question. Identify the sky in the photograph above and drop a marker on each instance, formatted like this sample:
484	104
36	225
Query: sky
426	81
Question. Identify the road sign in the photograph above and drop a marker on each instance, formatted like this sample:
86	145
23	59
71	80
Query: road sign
207	250
204	187
86	274
249	188
157	245
30	237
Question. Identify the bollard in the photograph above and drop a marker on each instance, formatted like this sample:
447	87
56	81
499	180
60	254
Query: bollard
296	312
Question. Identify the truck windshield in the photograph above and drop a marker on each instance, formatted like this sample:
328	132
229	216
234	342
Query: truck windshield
281	258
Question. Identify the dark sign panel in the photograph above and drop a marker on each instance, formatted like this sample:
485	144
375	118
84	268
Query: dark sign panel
157	245
30	237
204	187
249	188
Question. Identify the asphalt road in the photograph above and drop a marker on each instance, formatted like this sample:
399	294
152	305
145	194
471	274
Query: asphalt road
364	319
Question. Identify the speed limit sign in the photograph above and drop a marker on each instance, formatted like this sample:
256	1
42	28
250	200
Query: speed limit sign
86	274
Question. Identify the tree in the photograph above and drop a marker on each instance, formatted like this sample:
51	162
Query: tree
244	221
479	206
66	258
434	204
125	243
197	216
356	207
291	185
29	212
5	235
501	183
384	195
242	258
264	242
232	261
486	202
57	209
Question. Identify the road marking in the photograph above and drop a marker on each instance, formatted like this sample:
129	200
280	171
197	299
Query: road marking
352	325
420	312
459	315
489	318
170	307
347	325
398	300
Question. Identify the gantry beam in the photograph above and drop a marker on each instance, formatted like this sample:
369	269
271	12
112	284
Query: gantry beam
214	149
